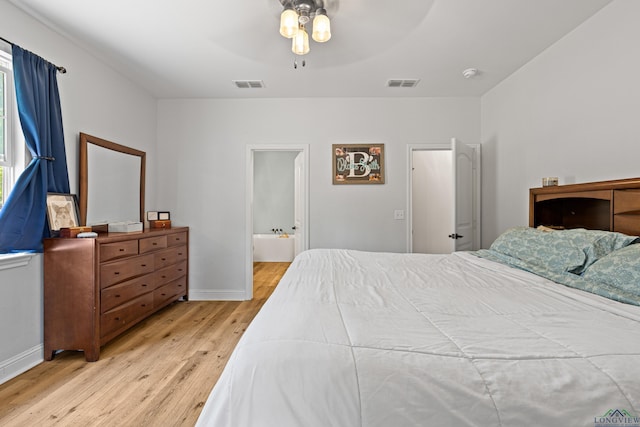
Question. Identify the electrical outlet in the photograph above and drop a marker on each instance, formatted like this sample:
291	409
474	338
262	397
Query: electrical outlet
398	214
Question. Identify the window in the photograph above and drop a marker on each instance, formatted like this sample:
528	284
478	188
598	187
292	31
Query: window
4	149
9	139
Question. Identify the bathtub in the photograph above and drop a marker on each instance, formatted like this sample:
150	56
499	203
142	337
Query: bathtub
273	248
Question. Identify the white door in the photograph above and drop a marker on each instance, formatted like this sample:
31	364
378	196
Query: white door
298	210
432	201
463	200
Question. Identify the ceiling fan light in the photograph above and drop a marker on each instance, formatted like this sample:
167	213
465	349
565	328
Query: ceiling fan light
300	42
321	27
288	23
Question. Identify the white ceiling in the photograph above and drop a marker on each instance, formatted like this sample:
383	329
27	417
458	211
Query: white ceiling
197	48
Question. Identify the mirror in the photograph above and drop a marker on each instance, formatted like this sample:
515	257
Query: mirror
111	182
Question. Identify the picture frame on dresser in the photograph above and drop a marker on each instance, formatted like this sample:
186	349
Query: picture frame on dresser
62	211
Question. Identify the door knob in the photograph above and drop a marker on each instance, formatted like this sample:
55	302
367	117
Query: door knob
455	236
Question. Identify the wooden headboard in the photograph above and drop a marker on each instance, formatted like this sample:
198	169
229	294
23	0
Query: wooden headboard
605	205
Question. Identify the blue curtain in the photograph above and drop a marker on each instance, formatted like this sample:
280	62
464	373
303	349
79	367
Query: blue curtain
23	216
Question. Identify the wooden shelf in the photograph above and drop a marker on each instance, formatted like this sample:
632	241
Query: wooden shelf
606	205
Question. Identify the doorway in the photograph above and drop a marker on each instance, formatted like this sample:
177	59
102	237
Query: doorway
432	197
296	221
443	197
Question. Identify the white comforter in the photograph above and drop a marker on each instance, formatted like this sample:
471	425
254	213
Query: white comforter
354	338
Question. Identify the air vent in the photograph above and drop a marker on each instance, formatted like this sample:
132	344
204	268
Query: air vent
403	83
249	84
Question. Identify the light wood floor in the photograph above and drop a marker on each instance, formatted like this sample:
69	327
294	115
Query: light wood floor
157	374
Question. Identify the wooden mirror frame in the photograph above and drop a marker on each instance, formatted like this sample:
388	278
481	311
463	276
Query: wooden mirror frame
84	170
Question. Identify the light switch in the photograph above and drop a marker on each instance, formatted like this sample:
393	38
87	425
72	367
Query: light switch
398	214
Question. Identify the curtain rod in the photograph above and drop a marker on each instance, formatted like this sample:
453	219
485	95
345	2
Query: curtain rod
62	70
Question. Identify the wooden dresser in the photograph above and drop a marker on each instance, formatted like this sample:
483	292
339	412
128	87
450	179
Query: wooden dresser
95	289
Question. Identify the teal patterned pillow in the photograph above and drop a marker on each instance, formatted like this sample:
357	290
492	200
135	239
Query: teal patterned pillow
562	250
620	269
539	248
596	243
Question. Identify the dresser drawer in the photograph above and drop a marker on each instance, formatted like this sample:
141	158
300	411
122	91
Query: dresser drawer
153	244
170	256
122	292
177	239
170	273
626	223
626	201
170	291
119	271
125	314
109	251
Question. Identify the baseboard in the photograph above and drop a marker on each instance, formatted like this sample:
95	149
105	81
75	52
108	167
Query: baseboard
209	295
20	363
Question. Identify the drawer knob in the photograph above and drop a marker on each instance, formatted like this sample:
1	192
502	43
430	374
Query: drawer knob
154	244
143	265
121	249
143	305
144	285
117	296
117	319
163	259
116	272
164	277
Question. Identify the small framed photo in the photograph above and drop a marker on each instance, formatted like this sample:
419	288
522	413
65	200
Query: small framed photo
62	211
152	216
164	216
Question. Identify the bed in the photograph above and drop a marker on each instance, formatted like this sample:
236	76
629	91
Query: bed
543	328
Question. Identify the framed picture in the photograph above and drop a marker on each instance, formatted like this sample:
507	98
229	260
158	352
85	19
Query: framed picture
164	216
62	211
358	163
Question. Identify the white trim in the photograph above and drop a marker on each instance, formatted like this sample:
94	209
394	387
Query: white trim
248	255
20	363
215	295
304	148
16	260
477	202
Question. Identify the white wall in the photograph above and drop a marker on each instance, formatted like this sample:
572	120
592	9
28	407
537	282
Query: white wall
95	99
572	112
203	144
21	318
